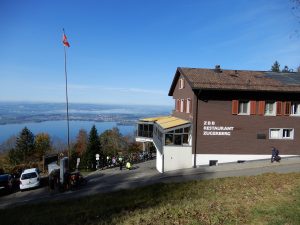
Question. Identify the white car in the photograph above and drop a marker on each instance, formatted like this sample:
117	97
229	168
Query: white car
30	178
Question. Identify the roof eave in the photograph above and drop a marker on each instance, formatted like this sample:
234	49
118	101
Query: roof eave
245	90
174	82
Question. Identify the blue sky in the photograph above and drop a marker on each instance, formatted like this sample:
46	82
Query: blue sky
127	51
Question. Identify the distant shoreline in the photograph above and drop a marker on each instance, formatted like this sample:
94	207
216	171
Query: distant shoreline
119	123
20	113
51	118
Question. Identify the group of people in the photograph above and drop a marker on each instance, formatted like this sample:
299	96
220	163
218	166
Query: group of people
114	161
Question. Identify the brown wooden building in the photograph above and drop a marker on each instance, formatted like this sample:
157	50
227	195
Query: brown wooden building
233	115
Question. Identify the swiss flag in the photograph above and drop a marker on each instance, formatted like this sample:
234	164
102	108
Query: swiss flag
65	41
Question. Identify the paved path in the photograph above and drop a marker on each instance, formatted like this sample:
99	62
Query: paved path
145	174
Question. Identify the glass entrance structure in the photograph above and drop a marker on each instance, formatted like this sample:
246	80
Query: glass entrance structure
171	137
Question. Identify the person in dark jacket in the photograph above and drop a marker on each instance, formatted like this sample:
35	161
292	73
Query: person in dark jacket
121	163
275	155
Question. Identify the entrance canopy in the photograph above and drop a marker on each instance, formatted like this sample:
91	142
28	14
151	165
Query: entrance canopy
165	130
166	122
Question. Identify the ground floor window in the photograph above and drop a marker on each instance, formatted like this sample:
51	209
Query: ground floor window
177	136
281	133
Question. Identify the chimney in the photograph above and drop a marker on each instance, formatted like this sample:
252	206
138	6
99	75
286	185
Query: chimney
218	69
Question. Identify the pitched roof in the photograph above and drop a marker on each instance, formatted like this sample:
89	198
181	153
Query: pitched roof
239	80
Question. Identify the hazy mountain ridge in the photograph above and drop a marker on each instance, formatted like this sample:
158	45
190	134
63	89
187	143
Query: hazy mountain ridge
15	113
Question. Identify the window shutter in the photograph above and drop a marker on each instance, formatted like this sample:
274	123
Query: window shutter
252	107
191	106
188	105
181	105
287	108
235	107
183	83
279	108
184	105
261	108
178	105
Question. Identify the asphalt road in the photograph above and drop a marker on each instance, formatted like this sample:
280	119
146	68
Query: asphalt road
145	174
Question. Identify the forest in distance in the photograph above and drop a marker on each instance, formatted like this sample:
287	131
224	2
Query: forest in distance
27	149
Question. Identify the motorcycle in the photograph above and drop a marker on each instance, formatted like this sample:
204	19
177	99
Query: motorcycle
276	158
76	180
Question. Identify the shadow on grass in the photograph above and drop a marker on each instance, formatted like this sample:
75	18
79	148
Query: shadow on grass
112	207
218	201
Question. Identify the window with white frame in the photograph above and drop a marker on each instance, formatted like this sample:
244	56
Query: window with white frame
295	108
178	136
181	83
288	133
281	133
274	133
270	108
244	107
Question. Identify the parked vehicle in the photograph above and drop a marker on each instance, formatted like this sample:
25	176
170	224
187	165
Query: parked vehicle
72	181
6	183
30	178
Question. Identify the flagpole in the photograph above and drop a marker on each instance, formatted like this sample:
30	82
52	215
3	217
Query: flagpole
67	100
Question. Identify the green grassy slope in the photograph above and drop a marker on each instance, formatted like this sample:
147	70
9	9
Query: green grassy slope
265	199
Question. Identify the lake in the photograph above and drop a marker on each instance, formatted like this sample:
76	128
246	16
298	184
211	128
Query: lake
58	129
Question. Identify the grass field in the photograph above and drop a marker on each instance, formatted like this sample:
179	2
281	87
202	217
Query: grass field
272	199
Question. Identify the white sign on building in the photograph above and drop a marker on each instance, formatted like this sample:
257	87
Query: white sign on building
211	128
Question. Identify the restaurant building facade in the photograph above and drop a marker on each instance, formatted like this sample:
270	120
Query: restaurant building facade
225	116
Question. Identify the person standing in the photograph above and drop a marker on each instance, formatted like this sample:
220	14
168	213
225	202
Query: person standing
277	157
128	165
121	163
113	161
273	154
